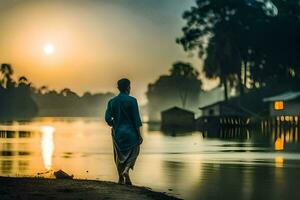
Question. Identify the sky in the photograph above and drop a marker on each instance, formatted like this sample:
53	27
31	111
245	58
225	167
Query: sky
93	43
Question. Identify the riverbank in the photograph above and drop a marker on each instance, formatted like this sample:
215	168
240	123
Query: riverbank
40	188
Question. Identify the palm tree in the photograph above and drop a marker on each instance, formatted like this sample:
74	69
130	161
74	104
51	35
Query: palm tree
68	93
23	79
6	73
43	90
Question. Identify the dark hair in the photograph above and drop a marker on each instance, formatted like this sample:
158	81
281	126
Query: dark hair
123	84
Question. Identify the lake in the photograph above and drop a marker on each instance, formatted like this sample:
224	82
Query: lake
223	164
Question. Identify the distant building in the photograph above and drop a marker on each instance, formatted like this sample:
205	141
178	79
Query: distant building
287	103
222	114
177	118
222	108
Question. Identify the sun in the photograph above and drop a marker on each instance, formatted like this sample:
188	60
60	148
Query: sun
49	48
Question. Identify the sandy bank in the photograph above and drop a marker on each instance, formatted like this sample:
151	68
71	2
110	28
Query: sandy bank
34	188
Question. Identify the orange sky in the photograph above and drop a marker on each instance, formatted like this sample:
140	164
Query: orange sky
96	42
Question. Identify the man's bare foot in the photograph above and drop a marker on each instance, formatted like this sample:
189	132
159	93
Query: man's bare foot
121	179
127	179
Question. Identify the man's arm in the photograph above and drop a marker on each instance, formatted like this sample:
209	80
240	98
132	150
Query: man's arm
136	115
137	120
108	114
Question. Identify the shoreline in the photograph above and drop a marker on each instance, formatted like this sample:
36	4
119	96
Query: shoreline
44	188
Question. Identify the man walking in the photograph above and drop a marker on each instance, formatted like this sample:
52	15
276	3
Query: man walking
123	116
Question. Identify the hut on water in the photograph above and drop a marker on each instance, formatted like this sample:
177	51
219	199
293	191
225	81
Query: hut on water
284	104
223	108
177	118
222	114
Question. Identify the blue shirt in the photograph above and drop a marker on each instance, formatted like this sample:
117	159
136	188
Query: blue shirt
122	114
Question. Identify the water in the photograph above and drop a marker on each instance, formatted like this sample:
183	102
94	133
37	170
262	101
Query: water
226	164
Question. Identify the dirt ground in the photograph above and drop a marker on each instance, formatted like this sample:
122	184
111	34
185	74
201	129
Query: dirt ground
49	189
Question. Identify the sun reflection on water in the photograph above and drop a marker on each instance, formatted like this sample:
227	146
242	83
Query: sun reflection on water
47	145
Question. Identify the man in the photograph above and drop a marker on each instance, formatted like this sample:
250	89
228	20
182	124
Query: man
123	116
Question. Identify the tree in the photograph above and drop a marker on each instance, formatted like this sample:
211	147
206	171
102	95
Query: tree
43	90
180	88
15	99
280	61
220	24
66	92
187	76
244	41
6	73
23	80
223	60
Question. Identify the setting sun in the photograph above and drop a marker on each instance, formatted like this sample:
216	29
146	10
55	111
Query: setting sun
49	49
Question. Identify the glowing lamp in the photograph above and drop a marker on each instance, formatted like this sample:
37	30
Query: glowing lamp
287	118
278	105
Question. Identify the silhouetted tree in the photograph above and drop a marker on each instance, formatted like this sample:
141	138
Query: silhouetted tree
15	99
180	87
223	61
185	74
244	41
6	73
87	95
43	90
23	80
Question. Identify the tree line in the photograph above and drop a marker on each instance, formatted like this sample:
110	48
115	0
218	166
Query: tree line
21	100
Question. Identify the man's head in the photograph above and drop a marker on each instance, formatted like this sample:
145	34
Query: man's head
124	85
